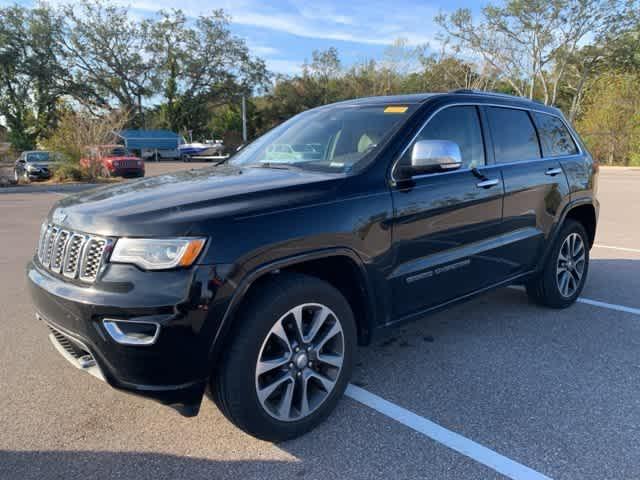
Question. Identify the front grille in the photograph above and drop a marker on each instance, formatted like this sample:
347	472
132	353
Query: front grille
127	163
73	254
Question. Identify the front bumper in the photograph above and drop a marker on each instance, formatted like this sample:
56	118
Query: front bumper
39	175
127	172
174	370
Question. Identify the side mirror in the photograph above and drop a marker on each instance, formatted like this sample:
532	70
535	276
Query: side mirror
430	156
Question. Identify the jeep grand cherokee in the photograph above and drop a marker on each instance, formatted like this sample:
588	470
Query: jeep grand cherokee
255	280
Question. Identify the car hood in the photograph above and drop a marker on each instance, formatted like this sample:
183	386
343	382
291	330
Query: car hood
38	164
189	202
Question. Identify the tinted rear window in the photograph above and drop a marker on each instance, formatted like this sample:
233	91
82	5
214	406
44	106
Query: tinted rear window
514	137
554	136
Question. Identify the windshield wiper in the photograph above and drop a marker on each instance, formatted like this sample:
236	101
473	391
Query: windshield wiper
277	166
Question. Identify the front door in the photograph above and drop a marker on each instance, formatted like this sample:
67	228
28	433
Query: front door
446	224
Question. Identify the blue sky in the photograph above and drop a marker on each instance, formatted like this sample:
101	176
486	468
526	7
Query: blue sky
285	32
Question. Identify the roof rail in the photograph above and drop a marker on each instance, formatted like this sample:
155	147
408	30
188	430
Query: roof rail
492	94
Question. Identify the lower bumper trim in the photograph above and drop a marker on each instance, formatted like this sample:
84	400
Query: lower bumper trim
81	358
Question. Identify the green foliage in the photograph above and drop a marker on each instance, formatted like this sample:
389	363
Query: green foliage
30	72
610	124
67	171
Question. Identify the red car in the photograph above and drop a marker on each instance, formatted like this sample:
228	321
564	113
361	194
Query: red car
113	161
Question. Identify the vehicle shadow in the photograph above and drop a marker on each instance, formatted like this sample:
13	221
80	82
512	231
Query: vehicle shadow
69	465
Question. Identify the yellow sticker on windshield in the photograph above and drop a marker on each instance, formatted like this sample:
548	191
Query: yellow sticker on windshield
395	109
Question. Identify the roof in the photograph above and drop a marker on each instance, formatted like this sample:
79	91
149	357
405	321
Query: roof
390	99
160	139
423	97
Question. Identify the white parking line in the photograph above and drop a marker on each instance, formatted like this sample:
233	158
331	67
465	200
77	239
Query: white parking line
622	249
454	441
610	306
596	303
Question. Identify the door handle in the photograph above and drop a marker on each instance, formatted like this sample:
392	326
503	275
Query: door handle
488	183
552	172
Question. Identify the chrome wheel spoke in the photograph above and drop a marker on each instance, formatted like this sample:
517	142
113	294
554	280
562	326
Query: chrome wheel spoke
326	382
304	397
320	316
564	283
330	359
284	407
297	316
265	366
578	249
278	331
266	392
333	331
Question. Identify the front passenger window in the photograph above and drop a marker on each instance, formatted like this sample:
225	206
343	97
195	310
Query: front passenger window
456	124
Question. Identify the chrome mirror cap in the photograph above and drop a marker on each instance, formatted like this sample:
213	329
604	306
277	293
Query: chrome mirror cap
435	155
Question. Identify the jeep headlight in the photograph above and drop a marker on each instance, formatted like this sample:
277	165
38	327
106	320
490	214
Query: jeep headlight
157	253
32	168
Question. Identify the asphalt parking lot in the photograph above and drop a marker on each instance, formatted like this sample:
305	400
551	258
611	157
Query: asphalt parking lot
493	388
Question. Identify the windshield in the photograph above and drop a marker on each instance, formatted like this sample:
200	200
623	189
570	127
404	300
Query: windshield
115	152
38	157
331	138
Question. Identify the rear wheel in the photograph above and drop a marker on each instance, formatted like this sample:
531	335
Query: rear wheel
565	272
290	358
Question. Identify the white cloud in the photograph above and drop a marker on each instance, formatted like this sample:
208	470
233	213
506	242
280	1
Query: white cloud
367	22
262	50
286	67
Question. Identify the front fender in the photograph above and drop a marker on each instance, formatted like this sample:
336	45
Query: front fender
242	280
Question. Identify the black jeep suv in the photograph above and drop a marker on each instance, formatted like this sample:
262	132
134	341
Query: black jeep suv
255	280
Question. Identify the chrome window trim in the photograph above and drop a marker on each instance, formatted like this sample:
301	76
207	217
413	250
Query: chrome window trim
495	164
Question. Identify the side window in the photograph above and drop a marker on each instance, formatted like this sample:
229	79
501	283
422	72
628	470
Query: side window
514	137
554	136
456	124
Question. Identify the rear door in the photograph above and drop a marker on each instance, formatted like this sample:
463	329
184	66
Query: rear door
445	223
535	185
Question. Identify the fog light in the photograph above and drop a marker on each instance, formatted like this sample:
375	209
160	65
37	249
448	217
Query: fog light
128	332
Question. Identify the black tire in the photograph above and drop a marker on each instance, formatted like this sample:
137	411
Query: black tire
233	387
545	288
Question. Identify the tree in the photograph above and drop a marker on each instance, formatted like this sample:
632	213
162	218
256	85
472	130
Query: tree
530	42
31	76
76	130
200	66
105	49
610	124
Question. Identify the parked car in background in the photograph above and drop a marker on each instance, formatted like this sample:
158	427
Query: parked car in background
34	165
113	161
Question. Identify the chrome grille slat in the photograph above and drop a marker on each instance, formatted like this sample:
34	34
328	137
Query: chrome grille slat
59	247
48	250
92	259
72	254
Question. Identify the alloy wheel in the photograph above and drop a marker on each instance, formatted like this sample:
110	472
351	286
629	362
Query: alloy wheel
299	362
570	265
